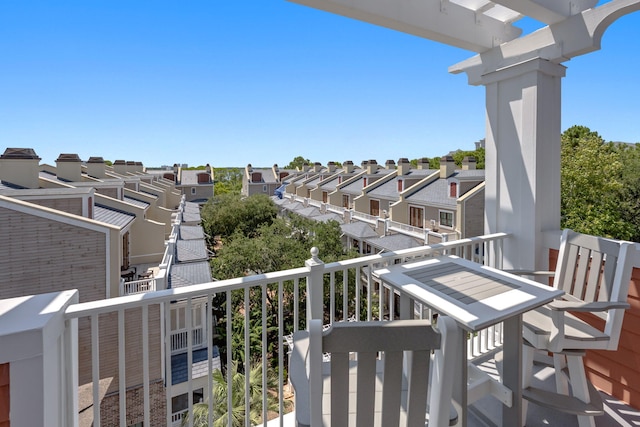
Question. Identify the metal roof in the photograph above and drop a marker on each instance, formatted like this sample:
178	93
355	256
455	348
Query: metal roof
112	216
136	202
191	250
191	273
191	232
393	242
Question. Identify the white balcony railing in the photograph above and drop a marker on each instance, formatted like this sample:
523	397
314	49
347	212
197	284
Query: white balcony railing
180	340
373	219
137	286
120	346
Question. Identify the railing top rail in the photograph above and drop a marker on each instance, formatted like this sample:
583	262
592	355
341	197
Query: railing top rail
193	291
340	265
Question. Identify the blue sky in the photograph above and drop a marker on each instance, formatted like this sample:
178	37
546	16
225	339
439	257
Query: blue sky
260	81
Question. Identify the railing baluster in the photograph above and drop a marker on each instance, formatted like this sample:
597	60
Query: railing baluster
264	352
281	354
145	363
121	370
95	368
209	393
166	309
229	314
189	324
247	356
296	303
345	295
332	297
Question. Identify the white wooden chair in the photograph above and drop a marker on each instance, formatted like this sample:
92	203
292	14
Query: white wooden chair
594	272
378	374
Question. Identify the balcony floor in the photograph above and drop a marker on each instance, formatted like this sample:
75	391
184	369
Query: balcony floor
617	414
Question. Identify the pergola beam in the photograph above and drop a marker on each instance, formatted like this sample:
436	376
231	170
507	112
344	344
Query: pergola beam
575	36
438	20
548	11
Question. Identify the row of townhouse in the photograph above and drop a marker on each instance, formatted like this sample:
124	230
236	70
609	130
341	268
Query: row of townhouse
195	184
109	231
391	207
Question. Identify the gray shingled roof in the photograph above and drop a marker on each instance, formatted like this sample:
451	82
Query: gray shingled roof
308	212
437	192
393	242
358	230
191	250
190	177
329	217
112	216
136	202
191	232
357	186
192	273
191	207
191	217
389	190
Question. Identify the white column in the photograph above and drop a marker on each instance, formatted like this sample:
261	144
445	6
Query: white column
40	347
522	195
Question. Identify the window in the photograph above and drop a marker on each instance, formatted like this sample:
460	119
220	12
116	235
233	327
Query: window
193	191
374	207
453	189
324	197
400	185
446	219
345	201
416	217
256	177
264	188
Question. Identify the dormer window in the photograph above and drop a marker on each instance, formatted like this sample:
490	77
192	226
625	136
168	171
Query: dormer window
453	189
256	177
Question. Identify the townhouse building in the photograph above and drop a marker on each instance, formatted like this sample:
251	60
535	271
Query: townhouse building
90	226
264	180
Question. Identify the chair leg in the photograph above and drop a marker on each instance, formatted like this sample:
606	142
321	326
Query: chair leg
559	364
579	386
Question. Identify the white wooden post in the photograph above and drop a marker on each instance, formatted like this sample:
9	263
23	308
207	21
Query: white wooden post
522	195
41	347
315	285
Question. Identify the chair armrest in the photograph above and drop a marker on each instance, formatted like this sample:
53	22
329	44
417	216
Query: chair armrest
531	272
561	305
299	378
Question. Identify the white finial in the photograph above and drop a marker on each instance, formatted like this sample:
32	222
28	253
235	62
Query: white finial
314	254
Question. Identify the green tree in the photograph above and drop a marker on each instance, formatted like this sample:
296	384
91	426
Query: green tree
228	180
297	163
630	205
592	185
220	392
226	214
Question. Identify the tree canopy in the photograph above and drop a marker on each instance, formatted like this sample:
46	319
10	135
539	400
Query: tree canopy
227	214
593	188
297	163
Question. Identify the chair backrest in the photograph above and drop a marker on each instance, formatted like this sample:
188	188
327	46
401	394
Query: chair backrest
596	269
403	349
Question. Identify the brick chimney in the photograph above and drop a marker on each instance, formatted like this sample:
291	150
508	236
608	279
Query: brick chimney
69	167
95	167
348	166
120	167
390	164
447	166
469	163
403	166
331	167
131	166
423	163
20	166
372	167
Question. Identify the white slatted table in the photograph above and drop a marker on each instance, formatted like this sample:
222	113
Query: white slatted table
476	297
